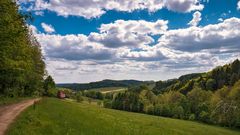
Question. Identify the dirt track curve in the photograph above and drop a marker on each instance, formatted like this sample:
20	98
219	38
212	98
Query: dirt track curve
9	112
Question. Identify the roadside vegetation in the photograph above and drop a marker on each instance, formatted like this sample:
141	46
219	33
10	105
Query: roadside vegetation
8	100
53	117
22	69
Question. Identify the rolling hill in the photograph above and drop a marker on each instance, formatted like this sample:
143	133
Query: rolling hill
213	80
102	84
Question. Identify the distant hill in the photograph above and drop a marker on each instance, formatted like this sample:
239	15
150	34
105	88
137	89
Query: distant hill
101	84
215	79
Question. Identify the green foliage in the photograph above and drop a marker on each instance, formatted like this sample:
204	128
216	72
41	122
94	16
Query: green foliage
108	96
79	97
178	112
8	100
184	82
138	88
22	67
94	94
49	87
150	109
210	84
192	117
107	103
216	79
103	84
219	107
199	100
204	116
129	101
52	92
226	106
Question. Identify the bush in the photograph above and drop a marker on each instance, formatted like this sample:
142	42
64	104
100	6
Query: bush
107	103
11	92
52	93
204	116
166	111
178	112
192	117
150	109
157	109
79	97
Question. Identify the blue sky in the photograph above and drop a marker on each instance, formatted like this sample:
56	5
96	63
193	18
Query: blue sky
86	41
213	10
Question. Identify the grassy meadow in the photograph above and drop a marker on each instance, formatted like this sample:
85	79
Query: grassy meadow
55	117
108	89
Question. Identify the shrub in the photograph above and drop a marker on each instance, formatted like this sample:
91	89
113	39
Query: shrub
150	109
178	112
157	109
191	117
204	116
79	98
107	103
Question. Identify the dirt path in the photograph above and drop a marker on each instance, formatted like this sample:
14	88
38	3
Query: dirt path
10	112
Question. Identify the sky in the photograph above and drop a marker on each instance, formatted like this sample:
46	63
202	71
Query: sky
91	40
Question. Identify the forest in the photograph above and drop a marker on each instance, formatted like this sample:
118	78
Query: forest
101	84
22	68
212	97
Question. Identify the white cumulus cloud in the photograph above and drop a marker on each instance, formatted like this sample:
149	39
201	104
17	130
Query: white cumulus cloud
72	47
47	28
128	33
214	36
106	53
196	19
238	5
95	8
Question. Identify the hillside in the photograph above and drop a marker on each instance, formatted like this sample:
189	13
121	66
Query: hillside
73	118
101	84
215	79
211	97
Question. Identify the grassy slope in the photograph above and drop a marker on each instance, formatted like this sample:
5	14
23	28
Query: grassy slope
108	89
54	117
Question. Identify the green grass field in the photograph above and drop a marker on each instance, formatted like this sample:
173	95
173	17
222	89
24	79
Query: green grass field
56	117
109	89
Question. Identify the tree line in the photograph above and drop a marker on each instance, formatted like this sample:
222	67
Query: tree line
220	107
22	67
102	84
215	100
219	77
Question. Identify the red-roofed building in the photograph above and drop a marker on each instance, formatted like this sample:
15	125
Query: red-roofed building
61	94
